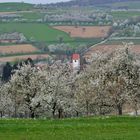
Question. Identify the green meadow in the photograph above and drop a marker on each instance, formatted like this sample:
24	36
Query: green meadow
32	15
13	6
40	32
96	128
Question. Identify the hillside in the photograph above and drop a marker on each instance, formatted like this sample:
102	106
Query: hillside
14	6
91	2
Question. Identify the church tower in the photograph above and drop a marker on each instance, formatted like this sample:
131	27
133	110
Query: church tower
76	62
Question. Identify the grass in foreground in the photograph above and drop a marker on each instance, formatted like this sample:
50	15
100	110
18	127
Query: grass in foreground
114	128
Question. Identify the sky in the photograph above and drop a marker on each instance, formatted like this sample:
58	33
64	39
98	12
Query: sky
35	1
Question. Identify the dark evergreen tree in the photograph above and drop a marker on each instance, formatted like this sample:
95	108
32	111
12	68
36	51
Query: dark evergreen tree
7	70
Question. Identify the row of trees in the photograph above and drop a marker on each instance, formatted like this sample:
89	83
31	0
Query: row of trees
111	83
8	69
104	87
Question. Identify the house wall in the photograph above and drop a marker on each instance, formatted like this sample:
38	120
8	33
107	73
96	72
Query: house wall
76	64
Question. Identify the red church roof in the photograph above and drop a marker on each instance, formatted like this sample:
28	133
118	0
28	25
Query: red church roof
75	56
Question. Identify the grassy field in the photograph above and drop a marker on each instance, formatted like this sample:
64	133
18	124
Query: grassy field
43	33
26	10
9	7
39	32
32	15
114	128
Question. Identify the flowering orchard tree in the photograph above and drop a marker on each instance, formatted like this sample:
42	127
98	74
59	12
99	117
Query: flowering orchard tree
6	103
27	87
59	89
90	95
84	93
134	87
122	77
35	91
110	81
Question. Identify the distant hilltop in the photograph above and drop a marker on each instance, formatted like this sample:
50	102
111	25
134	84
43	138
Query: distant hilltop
90	2
74	3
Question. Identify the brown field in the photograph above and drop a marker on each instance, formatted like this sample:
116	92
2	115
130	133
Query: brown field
15	12
85	31
12	49
23	57
109	49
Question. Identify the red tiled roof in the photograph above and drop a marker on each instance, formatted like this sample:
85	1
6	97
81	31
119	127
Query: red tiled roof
75	56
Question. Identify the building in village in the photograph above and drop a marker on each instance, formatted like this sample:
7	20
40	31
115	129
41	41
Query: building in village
76	62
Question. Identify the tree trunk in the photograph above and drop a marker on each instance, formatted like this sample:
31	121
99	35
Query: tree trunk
119	108
54	109
60	113
15	113
15	106
32	114
100	110
136	112
77	114
87	108
1	114
136	108
9	113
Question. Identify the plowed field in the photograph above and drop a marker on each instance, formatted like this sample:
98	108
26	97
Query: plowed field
23	57
12	49
85	31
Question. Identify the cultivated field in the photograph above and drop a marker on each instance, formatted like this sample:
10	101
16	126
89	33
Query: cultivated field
109	49
16	12
85	31
45	33
13	49
97	128
23	57
36	31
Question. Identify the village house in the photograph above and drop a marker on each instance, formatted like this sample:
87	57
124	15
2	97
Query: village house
76	62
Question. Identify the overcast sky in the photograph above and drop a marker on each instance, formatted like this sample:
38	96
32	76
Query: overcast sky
34	1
